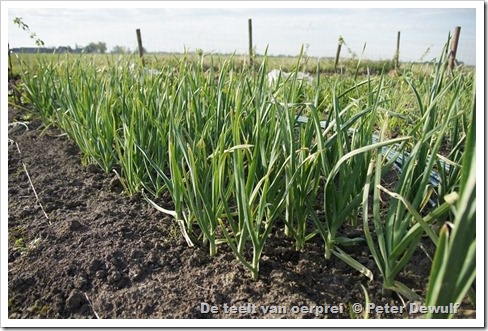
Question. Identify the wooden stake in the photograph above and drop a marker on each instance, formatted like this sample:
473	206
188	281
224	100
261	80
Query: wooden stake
397	53
250	43
454	46
10	72
139	43
339	46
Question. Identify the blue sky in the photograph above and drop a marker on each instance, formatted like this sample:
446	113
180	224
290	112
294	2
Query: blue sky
283	29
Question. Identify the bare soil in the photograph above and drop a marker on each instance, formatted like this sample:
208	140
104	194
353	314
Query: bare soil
99	253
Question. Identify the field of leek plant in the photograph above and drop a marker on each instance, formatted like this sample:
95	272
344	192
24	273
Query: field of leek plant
242	157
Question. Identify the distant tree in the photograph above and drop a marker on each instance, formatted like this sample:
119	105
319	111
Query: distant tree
120	50
99	47
91	48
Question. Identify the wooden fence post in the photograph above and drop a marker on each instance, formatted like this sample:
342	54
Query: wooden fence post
10	72
397	53
141	49
454	45
339	46
250	43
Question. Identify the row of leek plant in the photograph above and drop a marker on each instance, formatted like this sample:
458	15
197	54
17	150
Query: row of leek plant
241	188
229	150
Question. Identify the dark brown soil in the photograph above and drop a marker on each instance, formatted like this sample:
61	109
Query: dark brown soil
99	253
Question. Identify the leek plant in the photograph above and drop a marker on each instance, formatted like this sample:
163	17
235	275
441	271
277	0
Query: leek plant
256	167
194	150
343	165
302	169
399	230
302	174
85	112
449	163
454	267
144	122
40	85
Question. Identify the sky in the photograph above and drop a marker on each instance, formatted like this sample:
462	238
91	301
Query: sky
424	31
